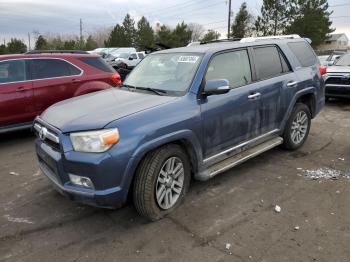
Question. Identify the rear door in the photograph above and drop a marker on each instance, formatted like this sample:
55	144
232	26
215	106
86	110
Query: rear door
16	93
274	77
54	80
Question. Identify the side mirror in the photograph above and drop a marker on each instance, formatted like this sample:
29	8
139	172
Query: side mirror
330	63
216	87
130	58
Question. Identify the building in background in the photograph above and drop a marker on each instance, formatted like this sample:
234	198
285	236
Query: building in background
335	42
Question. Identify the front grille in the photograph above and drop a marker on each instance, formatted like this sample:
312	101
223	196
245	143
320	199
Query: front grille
47	135
338	81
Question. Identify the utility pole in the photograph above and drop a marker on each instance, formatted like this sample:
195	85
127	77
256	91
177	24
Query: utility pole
29	47
229	19
81	33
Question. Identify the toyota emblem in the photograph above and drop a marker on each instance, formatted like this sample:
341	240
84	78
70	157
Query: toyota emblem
43	133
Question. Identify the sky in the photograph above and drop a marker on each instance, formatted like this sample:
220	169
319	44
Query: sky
20	17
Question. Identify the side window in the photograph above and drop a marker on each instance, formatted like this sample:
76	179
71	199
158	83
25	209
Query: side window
285	65
133	56
268	62
12	71
49	68
141	56
304	53
233	66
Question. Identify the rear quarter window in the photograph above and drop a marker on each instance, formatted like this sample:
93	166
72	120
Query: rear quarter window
304	53
97	62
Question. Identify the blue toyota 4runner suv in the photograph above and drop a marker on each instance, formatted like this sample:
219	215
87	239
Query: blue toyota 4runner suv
181	113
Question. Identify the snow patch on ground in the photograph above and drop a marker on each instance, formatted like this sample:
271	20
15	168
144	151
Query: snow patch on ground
18	219
325	173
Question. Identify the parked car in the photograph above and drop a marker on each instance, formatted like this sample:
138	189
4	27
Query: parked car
188	112
332	58
126	58
338	78
30	83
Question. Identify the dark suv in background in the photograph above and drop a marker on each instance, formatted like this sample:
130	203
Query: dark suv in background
181	113
30	83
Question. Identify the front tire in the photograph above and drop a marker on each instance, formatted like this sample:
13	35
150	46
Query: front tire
162	181
297	128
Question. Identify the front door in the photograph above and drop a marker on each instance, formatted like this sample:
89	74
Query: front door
16	93
232	118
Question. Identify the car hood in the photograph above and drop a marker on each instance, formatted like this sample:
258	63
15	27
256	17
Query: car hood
338	69
96	110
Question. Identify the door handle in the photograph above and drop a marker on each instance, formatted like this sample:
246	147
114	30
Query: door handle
75	81
292	84
254	96
22	88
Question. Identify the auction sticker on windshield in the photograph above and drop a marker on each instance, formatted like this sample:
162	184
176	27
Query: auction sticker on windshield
188	59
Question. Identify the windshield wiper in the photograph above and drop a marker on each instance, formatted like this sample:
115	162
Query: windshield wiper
156	91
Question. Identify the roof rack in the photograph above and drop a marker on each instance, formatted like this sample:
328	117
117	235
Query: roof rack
221	41
57	52
255	39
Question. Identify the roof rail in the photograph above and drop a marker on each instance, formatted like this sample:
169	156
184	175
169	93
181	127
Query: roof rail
57	52
221	41
255	39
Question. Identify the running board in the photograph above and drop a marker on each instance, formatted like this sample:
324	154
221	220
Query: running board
238	159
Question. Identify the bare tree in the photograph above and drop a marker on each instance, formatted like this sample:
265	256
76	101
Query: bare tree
197	31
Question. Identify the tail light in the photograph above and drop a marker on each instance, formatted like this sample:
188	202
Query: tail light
117	79
323	70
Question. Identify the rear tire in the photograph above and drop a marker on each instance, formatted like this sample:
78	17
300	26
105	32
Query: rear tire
162	181
297	128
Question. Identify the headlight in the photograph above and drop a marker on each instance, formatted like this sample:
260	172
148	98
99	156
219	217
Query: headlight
94	141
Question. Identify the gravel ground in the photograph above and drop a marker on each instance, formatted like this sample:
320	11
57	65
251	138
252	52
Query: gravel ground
229	218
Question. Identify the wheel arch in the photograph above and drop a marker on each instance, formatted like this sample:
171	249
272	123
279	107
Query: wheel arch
306	96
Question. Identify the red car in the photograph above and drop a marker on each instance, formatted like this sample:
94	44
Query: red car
30	83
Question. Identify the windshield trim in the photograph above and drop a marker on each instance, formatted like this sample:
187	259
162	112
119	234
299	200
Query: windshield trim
171	92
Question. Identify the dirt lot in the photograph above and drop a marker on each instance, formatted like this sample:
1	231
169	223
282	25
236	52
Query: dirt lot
229	218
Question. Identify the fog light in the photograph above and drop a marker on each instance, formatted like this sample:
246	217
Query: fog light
81	181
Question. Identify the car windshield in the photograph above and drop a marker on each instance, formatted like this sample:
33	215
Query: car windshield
343	60
170	72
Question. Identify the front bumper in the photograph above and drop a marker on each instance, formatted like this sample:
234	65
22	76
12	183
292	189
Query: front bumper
57	166
337	90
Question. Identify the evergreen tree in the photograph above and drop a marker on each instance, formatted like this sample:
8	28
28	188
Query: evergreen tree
145	35
70	44
3	49
16	46
116	38
211	35
90	43
275	16
41	43
181	36
241	26
311	20
129	31
164	36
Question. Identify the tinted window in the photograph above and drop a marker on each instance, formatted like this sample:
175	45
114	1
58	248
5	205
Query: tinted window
12	71
304	53
285	65
49	68
133	56
98	63
268	62
233	66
